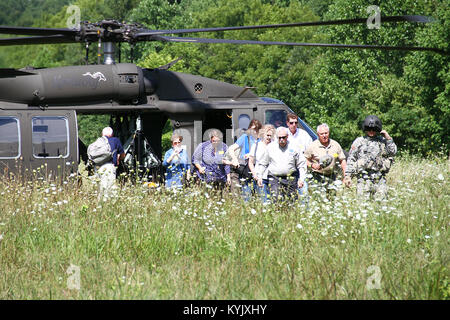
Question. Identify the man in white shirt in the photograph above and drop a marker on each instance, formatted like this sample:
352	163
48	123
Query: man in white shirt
286	167
300	140
297	136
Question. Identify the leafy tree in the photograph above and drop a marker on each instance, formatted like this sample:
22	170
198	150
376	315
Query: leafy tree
264	67
351	84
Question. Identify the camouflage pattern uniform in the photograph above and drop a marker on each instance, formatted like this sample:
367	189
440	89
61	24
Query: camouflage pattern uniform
370	159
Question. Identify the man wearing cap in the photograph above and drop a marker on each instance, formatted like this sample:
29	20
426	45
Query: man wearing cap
370	159
321	156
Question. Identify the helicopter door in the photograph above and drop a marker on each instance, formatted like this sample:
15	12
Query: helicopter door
53	149
241	121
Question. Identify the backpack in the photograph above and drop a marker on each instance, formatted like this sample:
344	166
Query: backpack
99	152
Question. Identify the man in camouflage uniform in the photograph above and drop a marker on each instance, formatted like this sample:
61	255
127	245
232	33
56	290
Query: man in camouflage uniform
370	159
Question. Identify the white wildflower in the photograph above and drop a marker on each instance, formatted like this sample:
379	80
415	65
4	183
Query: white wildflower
299	226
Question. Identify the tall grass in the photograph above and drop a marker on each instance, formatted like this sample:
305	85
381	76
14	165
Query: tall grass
150	243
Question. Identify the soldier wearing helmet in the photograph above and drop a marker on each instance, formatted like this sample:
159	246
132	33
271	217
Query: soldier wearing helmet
370	159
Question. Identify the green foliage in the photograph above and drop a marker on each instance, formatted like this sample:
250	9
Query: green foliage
274	71
25	13
158	14
166	143
90	127
409	91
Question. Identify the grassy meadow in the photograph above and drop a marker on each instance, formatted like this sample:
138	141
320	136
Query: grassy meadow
60	242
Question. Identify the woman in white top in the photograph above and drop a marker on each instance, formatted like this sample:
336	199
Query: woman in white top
266	135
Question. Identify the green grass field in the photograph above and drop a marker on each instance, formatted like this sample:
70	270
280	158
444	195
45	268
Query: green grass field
59	242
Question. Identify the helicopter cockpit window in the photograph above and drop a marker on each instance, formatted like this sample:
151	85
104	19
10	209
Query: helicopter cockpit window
50	137
9	137
276	117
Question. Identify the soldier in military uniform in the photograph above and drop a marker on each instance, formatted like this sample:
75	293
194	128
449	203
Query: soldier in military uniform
370	159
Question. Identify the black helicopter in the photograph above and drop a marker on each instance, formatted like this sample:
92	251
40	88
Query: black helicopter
39	107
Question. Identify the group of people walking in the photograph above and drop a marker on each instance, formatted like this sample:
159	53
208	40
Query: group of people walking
268	162
273	163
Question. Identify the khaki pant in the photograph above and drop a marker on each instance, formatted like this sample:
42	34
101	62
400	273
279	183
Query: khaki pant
325	184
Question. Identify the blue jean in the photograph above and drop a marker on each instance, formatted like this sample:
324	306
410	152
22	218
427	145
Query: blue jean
247	189
263	192
303	192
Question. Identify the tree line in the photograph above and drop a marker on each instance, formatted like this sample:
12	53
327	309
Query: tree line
409	91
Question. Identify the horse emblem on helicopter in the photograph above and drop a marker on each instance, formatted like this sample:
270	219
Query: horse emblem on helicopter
97	75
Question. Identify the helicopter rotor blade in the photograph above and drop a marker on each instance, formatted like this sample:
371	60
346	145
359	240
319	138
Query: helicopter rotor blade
114	31
169	65
55	39
405	18
30	31
302	44
9	73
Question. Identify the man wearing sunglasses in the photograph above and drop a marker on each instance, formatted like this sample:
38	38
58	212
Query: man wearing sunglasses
297	135
299	140
370	159
286	167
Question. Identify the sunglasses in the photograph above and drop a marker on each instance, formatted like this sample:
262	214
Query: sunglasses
282	137
293	122
176	142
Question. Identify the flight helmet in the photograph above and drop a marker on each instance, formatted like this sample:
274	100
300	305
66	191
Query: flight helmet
372	122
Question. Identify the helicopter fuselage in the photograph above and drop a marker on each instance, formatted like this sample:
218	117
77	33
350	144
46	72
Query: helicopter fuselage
39	107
